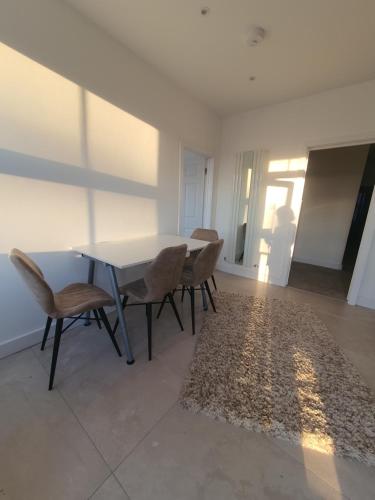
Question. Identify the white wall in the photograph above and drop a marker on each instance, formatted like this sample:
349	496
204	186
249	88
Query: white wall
287	131
89	149
331	188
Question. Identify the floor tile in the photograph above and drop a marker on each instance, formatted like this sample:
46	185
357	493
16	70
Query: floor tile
45	453
118	404
79	346
110	490
357	341
353	479
188	456
178	356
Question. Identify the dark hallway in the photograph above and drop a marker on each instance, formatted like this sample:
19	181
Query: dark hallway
334	280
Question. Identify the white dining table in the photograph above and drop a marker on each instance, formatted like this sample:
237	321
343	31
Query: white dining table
128	253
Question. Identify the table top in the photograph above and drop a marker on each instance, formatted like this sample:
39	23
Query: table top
135	251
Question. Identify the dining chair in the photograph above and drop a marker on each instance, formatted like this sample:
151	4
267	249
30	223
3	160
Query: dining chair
204	235
197	275
161	278
72	302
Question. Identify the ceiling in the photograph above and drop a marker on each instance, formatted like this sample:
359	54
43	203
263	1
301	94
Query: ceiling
310	45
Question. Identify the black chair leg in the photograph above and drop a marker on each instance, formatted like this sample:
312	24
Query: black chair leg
124	301
182	293
149	329
210	295
214	281
104	318
97	319
56	345
172	302
204	299
46	332
192	303
162	306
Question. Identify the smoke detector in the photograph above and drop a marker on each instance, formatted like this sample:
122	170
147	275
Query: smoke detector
253	36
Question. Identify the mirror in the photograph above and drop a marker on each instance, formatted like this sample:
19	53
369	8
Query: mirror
243	212
247	180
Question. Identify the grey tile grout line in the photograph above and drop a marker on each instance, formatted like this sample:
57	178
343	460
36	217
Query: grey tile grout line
275	441
152	427
106	479
121	486
146	435
79	422
344	496
111	472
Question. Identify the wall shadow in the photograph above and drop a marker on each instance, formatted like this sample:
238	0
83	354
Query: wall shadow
20	165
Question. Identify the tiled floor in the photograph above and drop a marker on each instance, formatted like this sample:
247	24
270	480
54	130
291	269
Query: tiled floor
111	431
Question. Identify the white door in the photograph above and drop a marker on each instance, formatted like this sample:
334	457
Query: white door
193	186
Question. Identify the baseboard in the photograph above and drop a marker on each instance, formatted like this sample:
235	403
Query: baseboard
22	342
245	272
32	338
366	302
312	262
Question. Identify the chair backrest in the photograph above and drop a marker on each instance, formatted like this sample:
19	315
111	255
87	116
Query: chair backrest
34	279
204	234
164	273
205	262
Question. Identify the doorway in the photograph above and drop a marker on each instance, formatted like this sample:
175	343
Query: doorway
196	191
337	194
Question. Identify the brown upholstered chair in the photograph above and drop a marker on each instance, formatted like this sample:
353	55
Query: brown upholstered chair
204	235
71	302
161	278
197	275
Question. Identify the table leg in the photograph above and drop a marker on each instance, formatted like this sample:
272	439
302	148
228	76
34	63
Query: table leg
204	298
120	313
90	280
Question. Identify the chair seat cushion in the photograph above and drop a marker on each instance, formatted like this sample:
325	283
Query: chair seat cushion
136	290
79	298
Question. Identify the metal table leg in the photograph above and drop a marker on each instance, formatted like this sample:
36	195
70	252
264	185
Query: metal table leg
204	298
120	313
90	280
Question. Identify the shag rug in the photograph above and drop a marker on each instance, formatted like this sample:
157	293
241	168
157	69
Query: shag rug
272	366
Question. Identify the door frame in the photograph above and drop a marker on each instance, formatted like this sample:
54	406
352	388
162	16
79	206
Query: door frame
208	187
369	229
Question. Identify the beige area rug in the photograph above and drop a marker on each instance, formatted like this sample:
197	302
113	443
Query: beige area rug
272	366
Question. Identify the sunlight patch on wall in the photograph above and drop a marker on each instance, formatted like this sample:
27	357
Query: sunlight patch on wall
39	110
114	216
41	216
45	115
106	181
120	144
